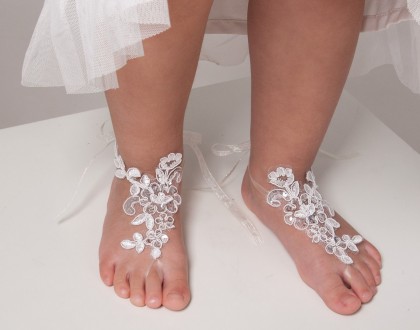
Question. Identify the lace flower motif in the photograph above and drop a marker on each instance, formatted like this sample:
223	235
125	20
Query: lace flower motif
306	210
281	177
152	201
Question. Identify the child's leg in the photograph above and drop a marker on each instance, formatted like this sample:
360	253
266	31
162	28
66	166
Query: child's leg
301	52
147	114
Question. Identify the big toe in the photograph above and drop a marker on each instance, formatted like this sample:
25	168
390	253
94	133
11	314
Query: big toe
176	294
338	297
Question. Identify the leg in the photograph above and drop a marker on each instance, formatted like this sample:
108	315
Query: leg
147	114
301	52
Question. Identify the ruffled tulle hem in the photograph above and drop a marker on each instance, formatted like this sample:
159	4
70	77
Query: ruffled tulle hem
80	44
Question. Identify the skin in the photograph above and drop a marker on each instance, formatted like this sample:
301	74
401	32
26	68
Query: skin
147	113
298	74
294	95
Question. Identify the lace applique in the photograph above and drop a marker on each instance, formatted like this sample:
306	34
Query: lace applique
156	198
306	210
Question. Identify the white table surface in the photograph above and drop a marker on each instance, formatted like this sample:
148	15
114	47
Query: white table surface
49	272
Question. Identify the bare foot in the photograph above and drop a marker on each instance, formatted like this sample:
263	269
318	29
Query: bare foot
147	282
344	288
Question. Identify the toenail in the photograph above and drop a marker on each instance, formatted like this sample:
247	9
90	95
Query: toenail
366	295
175	295
153	301
377	280
123	293
138	301
107	281
350	300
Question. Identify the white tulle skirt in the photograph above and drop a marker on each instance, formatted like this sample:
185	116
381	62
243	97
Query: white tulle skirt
80	44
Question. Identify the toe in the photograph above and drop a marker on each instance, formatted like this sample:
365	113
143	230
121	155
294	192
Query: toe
106	270
121	285
154	289
137	292
176	293
354	278
338	297
366	272
375	269
374	253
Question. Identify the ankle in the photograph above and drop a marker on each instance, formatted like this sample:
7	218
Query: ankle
146	155
253	192
259	171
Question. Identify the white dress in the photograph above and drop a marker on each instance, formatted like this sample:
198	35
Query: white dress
80	44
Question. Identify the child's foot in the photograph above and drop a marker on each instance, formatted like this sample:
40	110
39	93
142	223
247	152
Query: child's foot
147	282
342	287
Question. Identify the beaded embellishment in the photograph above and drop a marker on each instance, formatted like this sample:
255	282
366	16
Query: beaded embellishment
306	210
156	198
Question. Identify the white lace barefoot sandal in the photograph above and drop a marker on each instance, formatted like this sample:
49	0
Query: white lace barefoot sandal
306	210
156	197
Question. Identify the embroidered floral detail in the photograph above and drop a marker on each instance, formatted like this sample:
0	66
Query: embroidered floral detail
305	209
152	201
136	243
